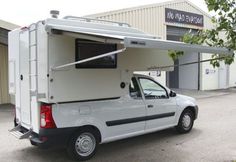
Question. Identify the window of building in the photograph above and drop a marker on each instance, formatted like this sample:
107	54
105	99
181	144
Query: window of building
87	49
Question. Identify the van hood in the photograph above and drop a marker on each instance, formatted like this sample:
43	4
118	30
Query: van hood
186	98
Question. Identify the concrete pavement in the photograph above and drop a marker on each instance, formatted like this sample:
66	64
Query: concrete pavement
205	94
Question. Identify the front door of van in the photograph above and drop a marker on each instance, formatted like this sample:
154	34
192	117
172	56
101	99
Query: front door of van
126	116
161	109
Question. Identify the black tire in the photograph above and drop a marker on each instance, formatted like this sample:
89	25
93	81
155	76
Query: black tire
182	127
73	149
33	143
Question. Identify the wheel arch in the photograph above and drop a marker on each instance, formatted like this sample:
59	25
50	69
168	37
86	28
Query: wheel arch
90	127
191	108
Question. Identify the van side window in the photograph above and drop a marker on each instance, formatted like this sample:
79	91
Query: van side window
152	90
134	89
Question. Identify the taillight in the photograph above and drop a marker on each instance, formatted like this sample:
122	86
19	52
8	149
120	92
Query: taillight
46	119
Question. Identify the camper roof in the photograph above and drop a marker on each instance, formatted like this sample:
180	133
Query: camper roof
102	29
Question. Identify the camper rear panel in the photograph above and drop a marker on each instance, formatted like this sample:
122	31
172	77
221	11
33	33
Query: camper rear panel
14	87
23	76
24	79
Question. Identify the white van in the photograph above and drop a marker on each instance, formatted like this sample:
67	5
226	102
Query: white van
74	84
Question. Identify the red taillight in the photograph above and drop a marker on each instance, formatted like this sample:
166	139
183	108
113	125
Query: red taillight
46	119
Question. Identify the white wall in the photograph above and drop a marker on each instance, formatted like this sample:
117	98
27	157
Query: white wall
217	78
223	79
209	81
232	74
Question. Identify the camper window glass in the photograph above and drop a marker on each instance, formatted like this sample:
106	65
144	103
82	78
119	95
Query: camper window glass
87	49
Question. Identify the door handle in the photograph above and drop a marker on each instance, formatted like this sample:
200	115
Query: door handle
21	77
150	106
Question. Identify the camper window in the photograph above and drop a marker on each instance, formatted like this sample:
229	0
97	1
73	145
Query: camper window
87	49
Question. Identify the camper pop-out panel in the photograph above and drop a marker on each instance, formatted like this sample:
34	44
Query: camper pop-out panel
139	59
73	83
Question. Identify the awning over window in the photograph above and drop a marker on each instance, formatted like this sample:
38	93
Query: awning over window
173	45
128	36
94	29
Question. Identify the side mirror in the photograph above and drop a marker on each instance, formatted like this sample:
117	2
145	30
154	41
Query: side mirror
172	94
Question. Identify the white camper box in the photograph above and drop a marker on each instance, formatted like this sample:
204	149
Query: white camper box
37	50
42	63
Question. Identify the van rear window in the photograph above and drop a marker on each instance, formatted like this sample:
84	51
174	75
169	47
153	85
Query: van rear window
87	49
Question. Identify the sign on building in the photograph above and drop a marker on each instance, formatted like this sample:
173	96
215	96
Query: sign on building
177	16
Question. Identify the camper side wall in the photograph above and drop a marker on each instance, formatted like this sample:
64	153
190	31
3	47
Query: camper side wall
75	84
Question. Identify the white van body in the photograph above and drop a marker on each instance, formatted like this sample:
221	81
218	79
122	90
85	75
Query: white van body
55	98
100	113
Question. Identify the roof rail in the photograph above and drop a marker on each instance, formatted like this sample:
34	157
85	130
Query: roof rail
97	21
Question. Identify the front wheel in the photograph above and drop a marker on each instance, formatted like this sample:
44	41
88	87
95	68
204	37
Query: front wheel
82	145
186	121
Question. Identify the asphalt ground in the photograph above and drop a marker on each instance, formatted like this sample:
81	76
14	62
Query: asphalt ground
213	138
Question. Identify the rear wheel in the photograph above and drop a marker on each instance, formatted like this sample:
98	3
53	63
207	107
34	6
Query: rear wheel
186	121
83	145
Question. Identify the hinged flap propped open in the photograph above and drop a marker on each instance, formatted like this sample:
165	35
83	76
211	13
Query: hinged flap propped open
126	36
131	37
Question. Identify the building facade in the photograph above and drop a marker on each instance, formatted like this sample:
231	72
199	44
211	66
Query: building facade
170	21
5	27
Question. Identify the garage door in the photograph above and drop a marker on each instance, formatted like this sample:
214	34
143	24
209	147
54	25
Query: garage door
4	96
179	78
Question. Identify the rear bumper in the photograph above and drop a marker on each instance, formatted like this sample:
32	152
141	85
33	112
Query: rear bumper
48	138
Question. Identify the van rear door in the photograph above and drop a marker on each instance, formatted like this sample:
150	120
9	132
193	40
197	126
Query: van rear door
24	80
